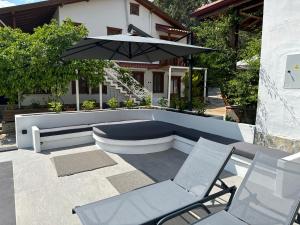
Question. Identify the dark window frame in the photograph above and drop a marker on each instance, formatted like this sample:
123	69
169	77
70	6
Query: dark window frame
83	87
96	90
137	74
113	30
158	82
134	9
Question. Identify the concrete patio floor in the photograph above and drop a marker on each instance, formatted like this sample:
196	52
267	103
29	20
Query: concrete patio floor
42	198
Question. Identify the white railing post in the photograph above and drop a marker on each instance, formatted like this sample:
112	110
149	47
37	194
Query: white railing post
169	87
100	95
205	85
77	96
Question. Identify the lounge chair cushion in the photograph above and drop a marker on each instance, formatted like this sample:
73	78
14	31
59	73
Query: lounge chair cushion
64	130
220	218
136	207
248	150
134	131
194	135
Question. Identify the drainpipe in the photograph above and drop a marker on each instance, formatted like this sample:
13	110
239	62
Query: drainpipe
126	12
150	22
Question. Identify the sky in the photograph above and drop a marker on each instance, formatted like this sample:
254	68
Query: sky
7	3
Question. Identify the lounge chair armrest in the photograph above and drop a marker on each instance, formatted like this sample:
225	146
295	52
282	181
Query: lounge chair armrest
200	204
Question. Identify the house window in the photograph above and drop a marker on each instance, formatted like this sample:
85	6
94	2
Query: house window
113	31
83	87
95	90
139	76
158	82
134	9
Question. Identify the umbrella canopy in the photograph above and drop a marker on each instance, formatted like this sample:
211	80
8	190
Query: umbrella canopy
130	48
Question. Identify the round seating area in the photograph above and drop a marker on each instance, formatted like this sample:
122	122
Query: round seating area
146	136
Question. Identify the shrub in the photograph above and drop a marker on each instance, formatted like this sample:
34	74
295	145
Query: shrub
147	101
163	102
112	103
89	104
129	103
199	105
181	103
55	106
35	105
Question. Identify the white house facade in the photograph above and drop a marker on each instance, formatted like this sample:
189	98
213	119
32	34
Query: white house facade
109	17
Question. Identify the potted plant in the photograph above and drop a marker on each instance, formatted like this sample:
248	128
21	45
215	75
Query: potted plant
55	106
129	103
89	104
112	103
163	102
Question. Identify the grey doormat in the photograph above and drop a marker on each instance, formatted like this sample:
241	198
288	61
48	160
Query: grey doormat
66	165
129	181
7	194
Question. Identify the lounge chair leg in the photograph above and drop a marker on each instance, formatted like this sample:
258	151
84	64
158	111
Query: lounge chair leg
297	220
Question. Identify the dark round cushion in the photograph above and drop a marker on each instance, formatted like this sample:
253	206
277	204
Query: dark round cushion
134	131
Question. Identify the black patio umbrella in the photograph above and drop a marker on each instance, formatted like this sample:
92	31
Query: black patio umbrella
131	48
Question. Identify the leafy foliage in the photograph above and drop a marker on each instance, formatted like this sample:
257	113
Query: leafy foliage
239	86
199	105
32	61
180	10
242	90
147	101
113	103
216	34
89	104
163	102
129	103
55	106
15	61
197	90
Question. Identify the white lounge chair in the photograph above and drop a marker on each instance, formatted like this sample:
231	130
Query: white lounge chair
268	195
147	205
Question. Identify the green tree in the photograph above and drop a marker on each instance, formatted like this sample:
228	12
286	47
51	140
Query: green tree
221	63
15	61
181	10
32	61
51	40
242	90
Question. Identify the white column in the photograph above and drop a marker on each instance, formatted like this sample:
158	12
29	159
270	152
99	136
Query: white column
205	85
19	100
100	95
169	86
77	96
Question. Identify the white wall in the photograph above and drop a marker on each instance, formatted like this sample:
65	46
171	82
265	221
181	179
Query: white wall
279	108
243	132
96	15
70	98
